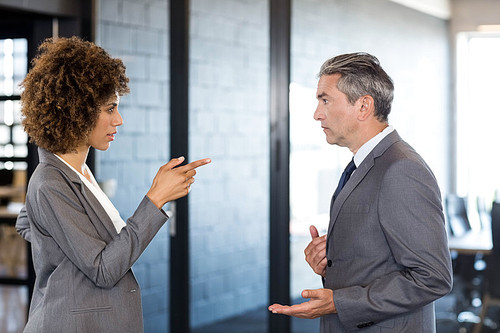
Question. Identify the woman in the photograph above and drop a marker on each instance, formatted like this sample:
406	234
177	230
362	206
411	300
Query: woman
82	249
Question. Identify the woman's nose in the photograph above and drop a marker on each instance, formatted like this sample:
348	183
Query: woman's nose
118	120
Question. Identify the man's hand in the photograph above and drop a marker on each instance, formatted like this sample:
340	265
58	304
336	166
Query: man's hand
320	304
316	252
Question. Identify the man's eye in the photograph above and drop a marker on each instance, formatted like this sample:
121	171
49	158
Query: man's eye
325	101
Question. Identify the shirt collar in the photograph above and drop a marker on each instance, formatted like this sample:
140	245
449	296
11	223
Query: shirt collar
82	177
365	149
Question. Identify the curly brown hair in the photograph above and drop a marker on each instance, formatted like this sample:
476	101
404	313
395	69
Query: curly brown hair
69	80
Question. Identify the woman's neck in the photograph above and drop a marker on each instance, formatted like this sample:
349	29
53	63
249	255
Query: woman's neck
77	160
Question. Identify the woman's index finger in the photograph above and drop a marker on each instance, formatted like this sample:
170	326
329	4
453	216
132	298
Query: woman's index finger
196	164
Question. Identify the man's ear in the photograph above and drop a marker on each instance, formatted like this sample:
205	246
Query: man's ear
367	107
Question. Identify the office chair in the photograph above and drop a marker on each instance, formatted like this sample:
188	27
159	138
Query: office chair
457	221
468	277
456	213
484	214
491	295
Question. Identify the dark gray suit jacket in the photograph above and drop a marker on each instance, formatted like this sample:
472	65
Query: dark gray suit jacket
387	249
83	278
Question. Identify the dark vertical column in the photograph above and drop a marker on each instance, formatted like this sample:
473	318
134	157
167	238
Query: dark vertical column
32	162
179	85
40	29
279	291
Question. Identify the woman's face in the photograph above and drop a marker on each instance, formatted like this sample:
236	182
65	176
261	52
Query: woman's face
107	122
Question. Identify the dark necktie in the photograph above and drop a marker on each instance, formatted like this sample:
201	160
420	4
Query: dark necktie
349	169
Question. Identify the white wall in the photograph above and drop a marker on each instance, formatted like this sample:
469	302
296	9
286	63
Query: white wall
438	8
412	47
467	15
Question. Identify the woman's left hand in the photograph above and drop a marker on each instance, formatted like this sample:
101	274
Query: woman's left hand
172	181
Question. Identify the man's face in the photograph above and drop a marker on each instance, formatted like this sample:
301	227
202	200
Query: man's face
337	116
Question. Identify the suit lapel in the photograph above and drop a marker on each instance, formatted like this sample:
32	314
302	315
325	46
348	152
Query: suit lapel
358	175
355	179
103	225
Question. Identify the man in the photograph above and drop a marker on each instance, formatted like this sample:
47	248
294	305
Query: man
385	257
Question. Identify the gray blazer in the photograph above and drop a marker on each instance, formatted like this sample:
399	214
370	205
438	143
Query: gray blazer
83	278
387	249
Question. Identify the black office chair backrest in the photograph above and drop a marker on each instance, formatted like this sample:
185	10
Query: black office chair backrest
483	212
456	213
495	227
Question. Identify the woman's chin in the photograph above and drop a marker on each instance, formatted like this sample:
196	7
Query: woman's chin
102	147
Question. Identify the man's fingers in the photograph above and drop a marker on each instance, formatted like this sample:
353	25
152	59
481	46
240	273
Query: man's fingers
285	309
275	307
320	303
322	264
317	244
316	258
313	231
310	293
297	310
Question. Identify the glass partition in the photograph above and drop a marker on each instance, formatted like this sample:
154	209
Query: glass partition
477	117
13	165
413	51
229	203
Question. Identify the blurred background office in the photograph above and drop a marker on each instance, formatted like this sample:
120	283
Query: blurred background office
235	80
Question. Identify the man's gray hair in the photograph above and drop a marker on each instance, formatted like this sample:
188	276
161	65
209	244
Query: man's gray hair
361	74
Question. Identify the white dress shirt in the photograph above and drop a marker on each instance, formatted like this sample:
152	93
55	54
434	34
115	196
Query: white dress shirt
365	149
100	196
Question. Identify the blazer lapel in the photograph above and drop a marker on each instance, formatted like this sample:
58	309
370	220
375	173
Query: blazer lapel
359	174
103	224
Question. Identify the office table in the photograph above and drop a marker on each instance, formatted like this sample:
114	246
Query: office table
472	242
8	217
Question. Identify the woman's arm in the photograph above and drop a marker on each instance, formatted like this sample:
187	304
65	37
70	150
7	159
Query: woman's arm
23	225
61	211
64	217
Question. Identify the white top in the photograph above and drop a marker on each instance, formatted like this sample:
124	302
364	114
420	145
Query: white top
100	195
370	144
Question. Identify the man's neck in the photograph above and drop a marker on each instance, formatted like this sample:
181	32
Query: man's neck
367	133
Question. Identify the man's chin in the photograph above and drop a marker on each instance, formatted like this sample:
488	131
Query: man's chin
331	141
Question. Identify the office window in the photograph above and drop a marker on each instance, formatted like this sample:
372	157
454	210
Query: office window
315	168
13	68
13	167
478	115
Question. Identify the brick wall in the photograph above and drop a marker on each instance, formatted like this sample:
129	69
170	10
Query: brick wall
137	32
229	204
229	122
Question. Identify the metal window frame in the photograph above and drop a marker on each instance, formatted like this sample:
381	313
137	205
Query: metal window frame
279	240
179	146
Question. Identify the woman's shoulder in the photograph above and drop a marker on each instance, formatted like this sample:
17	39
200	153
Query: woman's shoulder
48	175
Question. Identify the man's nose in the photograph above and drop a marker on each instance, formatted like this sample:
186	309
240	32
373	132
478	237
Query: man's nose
318	115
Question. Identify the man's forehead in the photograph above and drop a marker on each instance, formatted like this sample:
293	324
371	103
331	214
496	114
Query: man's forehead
327	82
